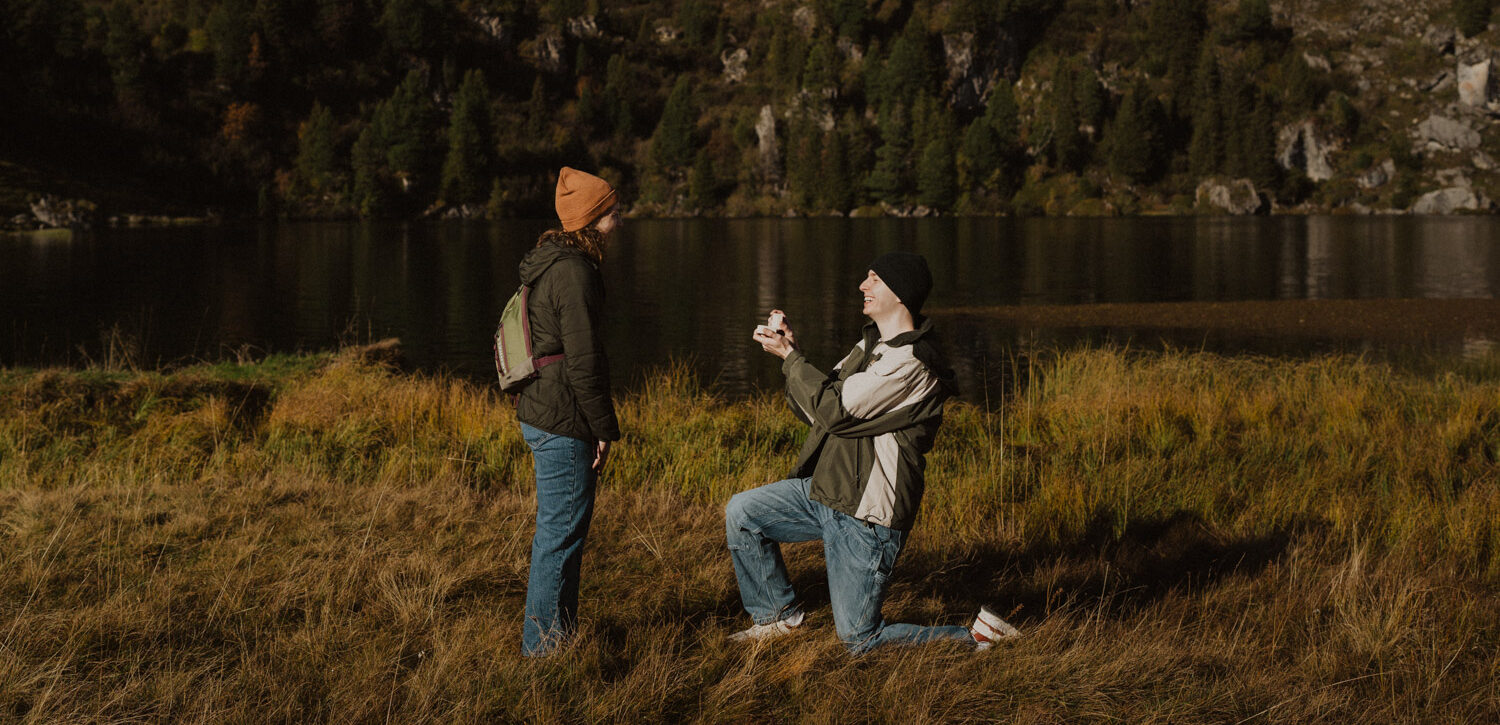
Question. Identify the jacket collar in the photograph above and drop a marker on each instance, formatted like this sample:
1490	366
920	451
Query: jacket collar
871	333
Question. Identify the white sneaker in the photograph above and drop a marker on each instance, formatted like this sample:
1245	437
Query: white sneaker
989	628
770	631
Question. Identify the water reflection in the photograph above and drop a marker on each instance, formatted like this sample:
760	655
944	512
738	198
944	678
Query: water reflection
693	289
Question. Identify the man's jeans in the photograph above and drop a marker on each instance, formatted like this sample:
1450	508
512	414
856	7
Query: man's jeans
859	554
564	504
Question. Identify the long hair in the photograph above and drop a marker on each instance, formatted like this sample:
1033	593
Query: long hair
588	240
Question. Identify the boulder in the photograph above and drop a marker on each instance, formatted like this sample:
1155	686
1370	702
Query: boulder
767	149
1445	134
52	211
1317	62
735	62
1447	201
1237	196
1474	83
806	20
1377	176
1298	148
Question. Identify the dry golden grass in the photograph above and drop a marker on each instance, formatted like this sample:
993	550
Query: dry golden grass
1183	538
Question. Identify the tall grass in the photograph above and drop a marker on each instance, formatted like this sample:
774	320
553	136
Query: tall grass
1183	538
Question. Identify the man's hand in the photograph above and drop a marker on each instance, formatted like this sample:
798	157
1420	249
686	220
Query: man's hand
601	454
779	341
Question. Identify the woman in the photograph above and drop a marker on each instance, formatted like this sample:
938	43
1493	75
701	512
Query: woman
566	414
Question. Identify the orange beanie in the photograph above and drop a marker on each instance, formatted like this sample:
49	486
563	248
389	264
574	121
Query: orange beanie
581	198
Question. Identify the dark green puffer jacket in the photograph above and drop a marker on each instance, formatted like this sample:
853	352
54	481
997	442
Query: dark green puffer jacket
570	397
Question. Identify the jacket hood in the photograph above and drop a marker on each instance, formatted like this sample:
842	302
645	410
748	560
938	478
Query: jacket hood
544	255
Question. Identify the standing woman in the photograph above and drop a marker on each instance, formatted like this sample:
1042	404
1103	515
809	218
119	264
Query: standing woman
566	414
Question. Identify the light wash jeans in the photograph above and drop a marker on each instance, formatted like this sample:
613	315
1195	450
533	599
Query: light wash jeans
859	555
564	505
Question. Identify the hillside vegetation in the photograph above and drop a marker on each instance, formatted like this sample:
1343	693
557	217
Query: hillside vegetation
412	107
1181	538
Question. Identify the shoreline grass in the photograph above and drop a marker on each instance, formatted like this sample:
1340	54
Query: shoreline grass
1182	537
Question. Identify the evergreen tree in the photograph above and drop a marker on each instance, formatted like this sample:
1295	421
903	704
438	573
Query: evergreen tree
937	177
413	26
991	154
467	170
1206	150
803	163
909	70
413	128
228	29
1260	145
1237	105
1069	148
1252	21
373	185
834	189
703	182
124	49
616	97
822	68
672	144
1473	16
316	167
537	113
887	180
1135	138
1174	33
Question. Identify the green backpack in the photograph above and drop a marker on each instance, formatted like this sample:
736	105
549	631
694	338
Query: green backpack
513	357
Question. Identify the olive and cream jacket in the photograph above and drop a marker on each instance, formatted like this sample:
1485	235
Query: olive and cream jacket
873	420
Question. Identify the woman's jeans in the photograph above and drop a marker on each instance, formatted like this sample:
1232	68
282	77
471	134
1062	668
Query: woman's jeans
859	555
564	504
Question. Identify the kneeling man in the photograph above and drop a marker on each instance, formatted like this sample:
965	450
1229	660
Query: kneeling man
858	481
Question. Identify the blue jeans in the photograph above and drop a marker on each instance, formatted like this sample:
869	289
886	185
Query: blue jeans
859	555
564	505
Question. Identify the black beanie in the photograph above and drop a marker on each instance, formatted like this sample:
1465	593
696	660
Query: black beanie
907	275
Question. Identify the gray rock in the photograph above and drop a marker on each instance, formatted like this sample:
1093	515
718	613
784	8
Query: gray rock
1442	133
548	51
1441	83
586	26
52	211
806	20
1446	201
1237	196
769	152
1483	161
1298	147
667	34
735	62
851	52
975	64
493	26
1474	83
1377	176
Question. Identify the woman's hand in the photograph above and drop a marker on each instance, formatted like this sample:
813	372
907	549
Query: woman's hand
601	454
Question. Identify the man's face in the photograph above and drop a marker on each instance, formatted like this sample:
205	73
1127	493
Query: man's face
879	299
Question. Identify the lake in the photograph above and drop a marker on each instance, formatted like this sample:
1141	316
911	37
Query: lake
691	291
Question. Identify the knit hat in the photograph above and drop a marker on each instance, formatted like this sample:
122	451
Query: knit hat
581	198
907	275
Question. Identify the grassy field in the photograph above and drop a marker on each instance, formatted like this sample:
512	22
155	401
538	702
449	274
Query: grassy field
1181	537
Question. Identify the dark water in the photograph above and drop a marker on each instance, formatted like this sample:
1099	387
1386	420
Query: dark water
692	290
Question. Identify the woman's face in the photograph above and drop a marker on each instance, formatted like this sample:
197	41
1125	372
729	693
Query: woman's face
609	222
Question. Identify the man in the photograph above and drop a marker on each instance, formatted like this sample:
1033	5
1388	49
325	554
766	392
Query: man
858	482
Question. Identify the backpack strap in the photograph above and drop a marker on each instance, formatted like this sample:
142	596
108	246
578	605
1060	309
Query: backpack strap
546	360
